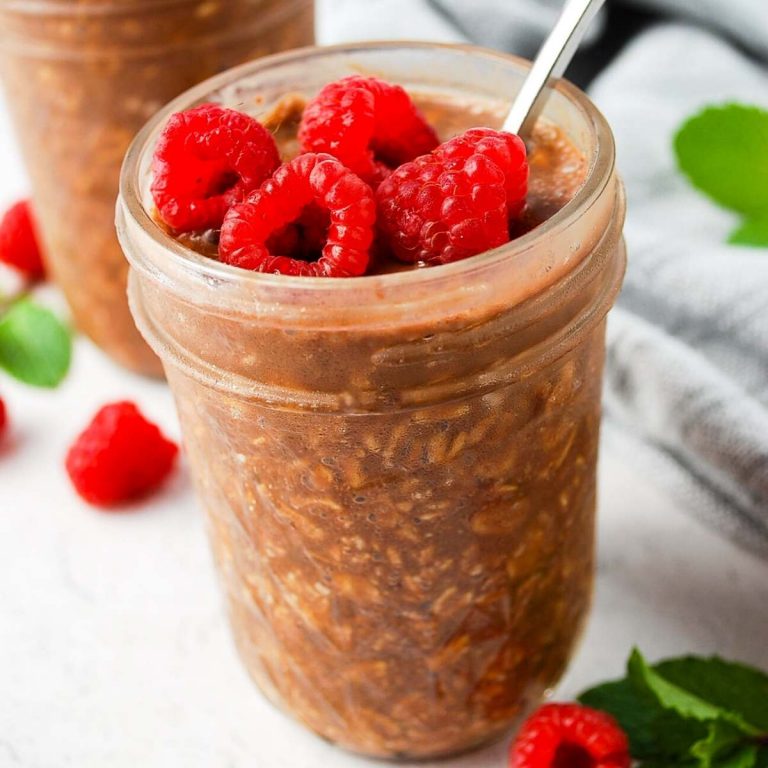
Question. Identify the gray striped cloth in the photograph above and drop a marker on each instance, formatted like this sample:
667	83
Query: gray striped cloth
687	372
687	368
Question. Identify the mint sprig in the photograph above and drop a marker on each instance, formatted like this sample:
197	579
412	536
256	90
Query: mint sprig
689	712
723	746
723	150
729	685
35	347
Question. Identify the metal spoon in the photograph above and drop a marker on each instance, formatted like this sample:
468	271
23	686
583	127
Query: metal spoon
550	63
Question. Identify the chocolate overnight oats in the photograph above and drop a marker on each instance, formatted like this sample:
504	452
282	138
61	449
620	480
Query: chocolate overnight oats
399	468
81	77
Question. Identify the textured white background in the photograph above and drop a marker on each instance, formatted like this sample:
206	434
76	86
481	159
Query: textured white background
113	647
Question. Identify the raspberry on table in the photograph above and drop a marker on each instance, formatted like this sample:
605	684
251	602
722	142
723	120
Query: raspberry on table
19	246
371	125
570	736
436	210
505	149
254	232
207	159
119	457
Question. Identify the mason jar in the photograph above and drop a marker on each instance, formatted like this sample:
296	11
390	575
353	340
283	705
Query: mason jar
81	77
398	469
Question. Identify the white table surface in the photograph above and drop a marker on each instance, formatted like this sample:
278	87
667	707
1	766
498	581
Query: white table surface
114	650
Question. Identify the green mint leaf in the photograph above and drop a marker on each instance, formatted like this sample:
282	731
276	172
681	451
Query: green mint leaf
722	739
745	757
34	345
689	712
679	699
656	734
724	152
752	232
731	686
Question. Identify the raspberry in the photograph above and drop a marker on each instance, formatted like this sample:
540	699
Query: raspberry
570	736
370	125
505	149
119	457
436	211
254	232
206	160
19	246
3	417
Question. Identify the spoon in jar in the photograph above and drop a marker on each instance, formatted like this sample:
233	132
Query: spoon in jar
550	63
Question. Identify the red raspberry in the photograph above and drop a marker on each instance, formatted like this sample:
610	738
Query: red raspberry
206	160
119	457
368	124
436	211
254	230
3	417
570	736
19	246
505	149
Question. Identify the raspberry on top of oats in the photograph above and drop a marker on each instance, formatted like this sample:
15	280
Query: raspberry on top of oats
308	183
371	125
206	160
454	202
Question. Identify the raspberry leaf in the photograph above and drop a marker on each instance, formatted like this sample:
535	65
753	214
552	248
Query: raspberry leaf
723	150
751	232
34	345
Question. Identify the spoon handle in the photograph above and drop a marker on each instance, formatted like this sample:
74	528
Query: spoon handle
550	63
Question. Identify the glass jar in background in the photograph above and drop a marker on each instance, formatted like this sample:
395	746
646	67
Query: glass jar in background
398	469
81	77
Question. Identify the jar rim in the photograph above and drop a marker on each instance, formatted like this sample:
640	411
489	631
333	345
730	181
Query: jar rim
184	262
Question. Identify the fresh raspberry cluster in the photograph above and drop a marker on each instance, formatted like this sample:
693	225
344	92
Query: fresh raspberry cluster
119	457
371	170
570	736
19	247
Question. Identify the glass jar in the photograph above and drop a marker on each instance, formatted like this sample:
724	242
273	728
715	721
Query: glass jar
81	77
398	470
